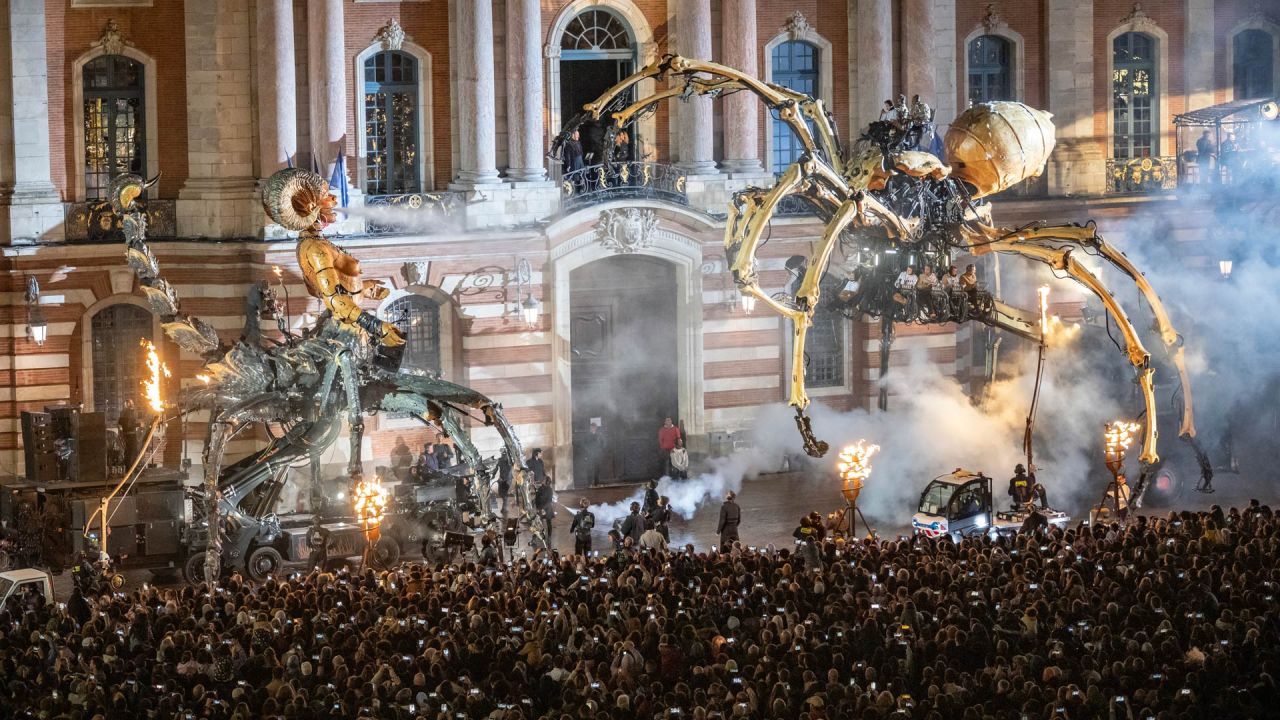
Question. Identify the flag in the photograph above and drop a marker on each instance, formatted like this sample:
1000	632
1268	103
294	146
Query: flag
339	179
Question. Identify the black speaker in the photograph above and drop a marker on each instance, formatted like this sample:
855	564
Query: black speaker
91	448
39	447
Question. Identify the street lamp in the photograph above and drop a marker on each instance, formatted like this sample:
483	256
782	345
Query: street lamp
529	308
37	326
748	303
1224	267
525	305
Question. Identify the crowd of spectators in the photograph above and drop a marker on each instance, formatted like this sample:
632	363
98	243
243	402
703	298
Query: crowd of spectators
1168	618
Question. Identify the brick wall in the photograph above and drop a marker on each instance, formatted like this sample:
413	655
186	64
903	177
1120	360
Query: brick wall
157	31
425	24
1025	18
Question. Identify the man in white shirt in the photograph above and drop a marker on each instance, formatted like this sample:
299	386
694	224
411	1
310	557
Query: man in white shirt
951	280
679	461
1120	495
651	539
906	279
927	279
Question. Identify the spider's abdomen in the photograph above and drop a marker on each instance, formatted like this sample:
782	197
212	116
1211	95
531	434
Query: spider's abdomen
996	145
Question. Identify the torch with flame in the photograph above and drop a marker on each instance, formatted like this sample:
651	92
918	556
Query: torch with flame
855	467
370	502
1118	436
1052	329
151	385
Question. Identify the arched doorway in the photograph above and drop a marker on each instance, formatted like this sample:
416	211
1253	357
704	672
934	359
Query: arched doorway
624	366
597	49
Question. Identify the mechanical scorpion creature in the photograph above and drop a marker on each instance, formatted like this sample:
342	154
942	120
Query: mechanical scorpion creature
299	387
887	205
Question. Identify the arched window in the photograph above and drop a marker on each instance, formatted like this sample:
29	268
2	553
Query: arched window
418	318
392	158
118	368
824	349
990	69
795	66
1133	88
114	127
596	30
1252	65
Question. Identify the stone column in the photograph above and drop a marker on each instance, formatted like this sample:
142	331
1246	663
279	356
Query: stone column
32	208
870	60
524	91
1197	53
1077	166
944	64
741	110
473	61
218	199
918	73
327	74
277	87
697	132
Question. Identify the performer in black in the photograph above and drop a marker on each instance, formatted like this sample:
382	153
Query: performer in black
730	518
318	542
661	516
583	522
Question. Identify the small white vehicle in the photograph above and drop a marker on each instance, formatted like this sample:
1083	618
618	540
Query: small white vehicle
960	504
13	582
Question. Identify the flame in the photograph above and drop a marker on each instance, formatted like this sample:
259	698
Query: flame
1118	436
855	466
1052	330
370	501
151	386
276	269
1043	292
203	378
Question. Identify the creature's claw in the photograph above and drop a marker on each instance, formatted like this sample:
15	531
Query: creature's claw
812	445
375	290
391	336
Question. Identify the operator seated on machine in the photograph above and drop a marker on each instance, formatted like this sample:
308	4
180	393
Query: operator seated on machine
1020	486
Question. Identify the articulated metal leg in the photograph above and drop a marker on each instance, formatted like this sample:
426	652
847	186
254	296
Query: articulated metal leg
886	345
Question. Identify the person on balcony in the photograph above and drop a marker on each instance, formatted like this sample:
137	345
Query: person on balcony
573	160
1205	154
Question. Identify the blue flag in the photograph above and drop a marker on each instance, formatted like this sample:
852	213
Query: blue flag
339	179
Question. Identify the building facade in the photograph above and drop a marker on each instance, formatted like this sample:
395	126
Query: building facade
569	304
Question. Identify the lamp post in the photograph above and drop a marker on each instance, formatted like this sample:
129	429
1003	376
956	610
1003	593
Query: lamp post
1224	267
748	303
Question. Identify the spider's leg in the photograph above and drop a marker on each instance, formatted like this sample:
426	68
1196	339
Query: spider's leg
1087	237
1061	259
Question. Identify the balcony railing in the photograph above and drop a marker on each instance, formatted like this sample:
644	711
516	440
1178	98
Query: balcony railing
594	184
1142	175
403	213
94	221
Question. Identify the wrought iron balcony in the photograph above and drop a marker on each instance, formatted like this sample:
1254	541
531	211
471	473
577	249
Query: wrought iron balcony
441	204
1142	175
94	221
594	184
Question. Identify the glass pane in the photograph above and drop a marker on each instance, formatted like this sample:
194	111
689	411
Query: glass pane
825	350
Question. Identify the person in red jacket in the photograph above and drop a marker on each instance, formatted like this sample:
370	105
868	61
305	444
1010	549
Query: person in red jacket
668	434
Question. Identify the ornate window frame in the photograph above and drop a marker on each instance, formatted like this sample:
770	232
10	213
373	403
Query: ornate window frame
798	29
150	113
1258	22
426	110
993	25
1137	21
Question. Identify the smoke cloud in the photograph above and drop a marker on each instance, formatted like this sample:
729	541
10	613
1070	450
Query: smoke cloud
424	221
